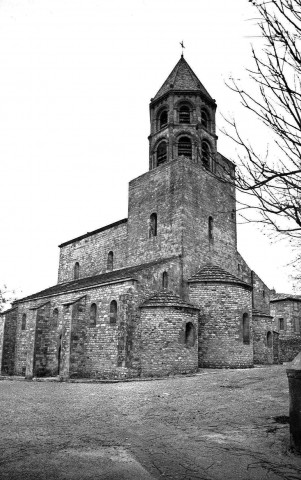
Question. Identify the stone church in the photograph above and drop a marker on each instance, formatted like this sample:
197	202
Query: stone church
165	290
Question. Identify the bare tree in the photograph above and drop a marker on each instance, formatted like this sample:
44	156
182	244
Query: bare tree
274	181
6	298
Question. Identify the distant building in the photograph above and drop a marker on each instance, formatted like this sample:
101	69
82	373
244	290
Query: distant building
163	291
286	311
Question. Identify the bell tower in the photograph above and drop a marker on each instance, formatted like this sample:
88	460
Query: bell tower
181	208
182	117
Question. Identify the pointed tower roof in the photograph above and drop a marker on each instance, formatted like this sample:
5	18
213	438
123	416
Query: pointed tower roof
182	77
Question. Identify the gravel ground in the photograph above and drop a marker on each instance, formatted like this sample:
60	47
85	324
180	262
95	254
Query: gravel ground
218	424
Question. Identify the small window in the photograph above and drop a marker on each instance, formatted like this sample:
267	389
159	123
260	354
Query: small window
245	329
161	153
210	229
263	293
295	306
93	313
113	311
76	271
204	119
23	326
153	225
110	261
163	119
55	317
184	114
281	323
165	280
185	147
206	155
297	325
189	334
269	340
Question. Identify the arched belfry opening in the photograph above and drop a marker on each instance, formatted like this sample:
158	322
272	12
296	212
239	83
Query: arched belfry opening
161	153
185	147
184	114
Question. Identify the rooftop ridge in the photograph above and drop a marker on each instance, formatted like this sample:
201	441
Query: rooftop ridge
98	230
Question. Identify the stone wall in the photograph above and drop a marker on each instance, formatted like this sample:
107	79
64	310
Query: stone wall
8	342
91	252
183	195
73	346
261	294
289	348
69	344
164	348
263	349
45	345
160	192
2	322
204	197
222	307
290	312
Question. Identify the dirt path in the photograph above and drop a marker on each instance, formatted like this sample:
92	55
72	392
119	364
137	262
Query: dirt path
219	424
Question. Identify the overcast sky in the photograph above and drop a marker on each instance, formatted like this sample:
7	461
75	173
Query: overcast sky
76	80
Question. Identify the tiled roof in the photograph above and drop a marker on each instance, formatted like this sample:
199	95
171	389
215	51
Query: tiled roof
182	77
278	297
82	283
213	274
166	298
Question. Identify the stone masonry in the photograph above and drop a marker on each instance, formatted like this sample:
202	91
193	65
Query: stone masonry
165	290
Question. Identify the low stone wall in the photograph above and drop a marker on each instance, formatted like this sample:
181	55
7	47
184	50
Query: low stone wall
262	346
289	348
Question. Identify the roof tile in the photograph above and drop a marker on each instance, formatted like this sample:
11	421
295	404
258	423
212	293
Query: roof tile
182	77
114	276
213	274
166	298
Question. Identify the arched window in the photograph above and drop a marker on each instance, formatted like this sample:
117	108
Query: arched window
165	280
269	340
204	119
93	313
163	119
113	311
206	155
161	153
184	114
76	271
185	147
210	229
189	334
23	326
153	225
245	329
55	317
110	261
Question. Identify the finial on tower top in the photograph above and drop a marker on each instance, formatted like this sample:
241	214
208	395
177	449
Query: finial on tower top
182	45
